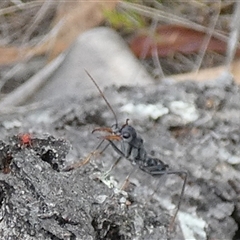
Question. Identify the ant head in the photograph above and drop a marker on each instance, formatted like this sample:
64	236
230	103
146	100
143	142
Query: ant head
115	128
128	133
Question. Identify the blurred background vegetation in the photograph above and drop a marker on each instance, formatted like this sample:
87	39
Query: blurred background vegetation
169	37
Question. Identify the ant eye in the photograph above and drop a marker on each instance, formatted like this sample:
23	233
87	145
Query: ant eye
126	135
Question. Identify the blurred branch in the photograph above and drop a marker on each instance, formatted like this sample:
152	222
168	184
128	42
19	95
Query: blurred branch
26	90
234	36
21	6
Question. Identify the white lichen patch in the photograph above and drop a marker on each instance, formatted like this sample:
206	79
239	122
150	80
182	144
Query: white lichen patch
11	124
192	226
234	160
153	111
101	198
187	111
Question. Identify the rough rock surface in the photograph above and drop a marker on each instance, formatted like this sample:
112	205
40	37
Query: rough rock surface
195	127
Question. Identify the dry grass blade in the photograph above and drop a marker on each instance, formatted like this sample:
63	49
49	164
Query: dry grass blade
41	14
21	6
164	16
28	33
207	39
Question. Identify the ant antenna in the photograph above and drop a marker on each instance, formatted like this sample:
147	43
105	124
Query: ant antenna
102	95
124	125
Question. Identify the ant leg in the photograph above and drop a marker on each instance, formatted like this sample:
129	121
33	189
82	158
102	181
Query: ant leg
106	174
181	195
126	181
117	149
86	159
118	160
155	172
103	148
